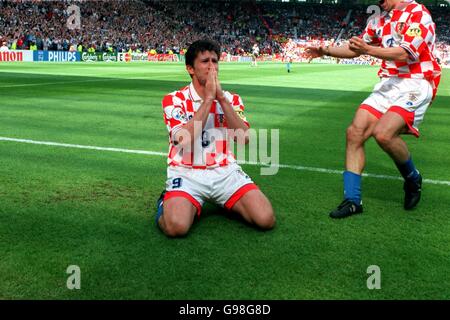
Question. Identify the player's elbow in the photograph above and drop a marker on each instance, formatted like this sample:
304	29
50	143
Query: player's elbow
403	56
241	136
182	138
185	143
241	140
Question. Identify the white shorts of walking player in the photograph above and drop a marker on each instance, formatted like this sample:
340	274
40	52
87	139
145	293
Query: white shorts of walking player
409	98
222	185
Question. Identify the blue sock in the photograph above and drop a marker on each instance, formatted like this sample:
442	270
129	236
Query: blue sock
159	211
408	170
352	187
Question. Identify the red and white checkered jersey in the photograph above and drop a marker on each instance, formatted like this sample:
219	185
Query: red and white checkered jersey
413	29
179	108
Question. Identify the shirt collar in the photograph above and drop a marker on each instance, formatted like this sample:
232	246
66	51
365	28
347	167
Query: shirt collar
193	93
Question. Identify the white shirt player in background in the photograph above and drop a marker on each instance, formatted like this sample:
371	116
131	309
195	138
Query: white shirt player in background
288	54
201	166
255	54
288	58
4	47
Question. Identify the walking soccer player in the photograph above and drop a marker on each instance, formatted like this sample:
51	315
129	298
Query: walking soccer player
403	36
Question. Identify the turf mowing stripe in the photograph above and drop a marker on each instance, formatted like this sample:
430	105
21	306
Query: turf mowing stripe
74	81
53	83
154	153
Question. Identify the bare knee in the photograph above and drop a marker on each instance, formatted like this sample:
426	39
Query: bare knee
355	135
267	222
173	227
177	218
256	209
382	138
265	219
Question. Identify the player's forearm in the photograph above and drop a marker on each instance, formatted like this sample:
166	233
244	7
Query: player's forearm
233	120
188	134
392	54
343	52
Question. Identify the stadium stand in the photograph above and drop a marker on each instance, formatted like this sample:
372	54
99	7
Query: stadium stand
170	26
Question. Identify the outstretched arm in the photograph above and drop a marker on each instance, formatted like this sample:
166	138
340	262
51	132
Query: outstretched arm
338	52
394	54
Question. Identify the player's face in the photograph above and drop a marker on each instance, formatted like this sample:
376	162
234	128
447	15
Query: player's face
388	5
203	63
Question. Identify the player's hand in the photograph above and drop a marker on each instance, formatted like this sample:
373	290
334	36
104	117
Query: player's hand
211	85
313	52
358	45
219	91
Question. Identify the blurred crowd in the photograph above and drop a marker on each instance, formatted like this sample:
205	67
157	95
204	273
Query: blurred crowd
170	26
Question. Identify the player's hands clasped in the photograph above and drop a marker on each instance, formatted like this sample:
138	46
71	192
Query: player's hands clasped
219	91
213	89
211	85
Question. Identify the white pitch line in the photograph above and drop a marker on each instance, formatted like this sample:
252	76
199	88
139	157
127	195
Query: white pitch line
163	154
79	146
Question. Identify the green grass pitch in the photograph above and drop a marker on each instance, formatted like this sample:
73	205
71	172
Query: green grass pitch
95	209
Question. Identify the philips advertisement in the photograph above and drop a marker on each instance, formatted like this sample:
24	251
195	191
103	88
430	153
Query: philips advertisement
56	56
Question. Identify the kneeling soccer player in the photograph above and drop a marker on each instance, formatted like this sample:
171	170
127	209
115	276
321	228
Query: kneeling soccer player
200	166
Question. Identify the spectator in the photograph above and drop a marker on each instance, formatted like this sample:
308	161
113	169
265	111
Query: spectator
168	25
4	47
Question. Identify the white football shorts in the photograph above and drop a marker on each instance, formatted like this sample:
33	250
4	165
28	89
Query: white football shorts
407	97
222	185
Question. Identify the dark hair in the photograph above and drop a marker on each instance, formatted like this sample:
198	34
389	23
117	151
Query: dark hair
200	46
